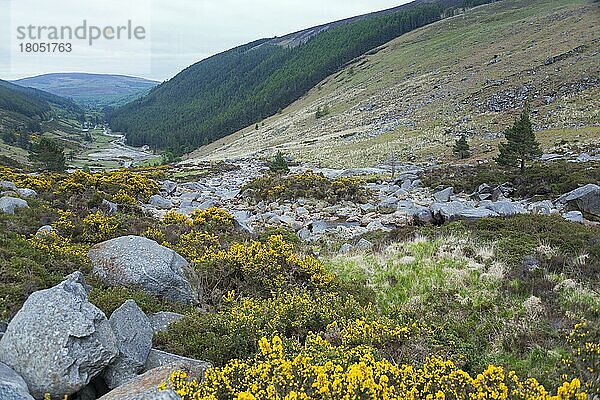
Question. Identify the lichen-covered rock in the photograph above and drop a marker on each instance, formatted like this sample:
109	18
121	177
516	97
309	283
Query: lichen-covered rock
140	263
12	386
58	341
134	334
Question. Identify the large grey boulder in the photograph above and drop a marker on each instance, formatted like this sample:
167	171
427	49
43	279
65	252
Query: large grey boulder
58	341
141	263
145	387
585	199
134	334
9	204
158	358
470	214
12	386
422	214
169	187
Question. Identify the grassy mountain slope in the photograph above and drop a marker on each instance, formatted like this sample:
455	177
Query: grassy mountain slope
91	89
469	74
26	112
226	92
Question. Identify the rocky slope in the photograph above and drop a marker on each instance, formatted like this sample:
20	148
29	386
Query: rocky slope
469	74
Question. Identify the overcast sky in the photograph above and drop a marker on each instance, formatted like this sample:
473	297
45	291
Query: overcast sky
178	32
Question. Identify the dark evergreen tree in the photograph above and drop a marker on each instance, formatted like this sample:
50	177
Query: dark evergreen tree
279	165
461	148
521	145
48	155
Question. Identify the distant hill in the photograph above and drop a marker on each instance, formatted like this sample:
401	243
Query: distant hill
91	89
466	75
22	108
224	93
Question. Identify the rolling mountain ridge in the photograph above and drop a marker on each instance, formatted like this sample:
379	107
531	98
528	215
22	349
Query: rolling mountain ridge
91	89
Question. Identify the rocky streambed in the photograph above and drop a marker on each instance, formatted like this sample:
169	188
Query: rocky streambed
394	203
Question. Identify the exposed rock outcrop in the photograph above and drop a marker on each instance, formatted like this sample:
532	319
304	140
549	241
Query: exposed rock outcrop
58	341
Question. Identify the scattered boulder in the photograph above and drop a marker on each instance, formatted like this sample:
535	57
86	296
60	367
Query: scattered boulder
26	193
367	208
364	244
12	386
134	334
504	208
145	387
8	185
158	358
544	207
471	214
574	216
9	204
169	187
345	249
44	230
109	207
58	341
141	263
388	206
585	199
161	321
456	210
160	202
443	196
422	215
447	211
240	220
377	225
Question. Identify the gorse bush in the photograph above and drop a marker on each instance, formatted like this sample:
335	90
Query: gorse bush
320	370
308	185
233	331
258	268
138	185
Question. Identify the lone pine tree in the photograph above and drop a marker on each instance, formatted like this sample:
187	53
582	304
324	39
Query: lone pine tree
520	145
48	155
461	148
